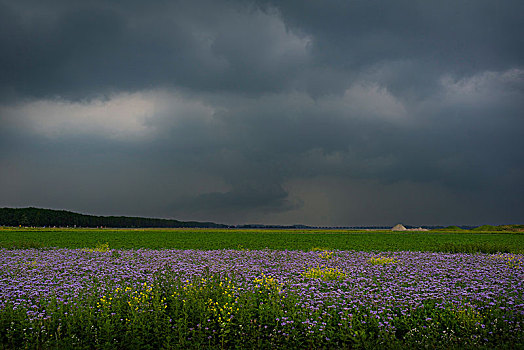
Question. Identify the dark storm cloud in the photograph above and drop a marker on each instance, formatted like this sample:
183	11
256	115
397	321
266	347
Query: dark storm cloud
409	44
328	113
77	49
72	48
461	35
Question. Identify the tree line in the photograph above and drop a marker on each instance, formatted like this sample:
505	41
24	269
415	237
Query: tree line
61	218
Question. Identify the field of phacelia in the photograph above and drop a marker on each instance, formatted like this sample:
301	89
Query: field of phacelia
103	298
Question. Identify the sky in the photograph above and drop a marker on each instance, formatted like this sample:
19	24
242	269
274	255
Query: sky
323	113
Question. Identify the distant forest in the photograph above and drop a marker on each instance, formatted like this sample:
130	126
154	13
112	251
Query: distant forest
36	217
61	218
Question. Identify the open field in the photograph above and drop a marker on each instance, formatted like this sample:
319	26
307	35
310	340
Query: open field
63	298
183	289
206	239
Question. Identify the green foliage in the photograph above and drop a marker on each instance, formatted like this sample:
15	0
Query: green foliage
252	239
23	244
209	239
451	229
455	327
507	228
479	247
511	228
486	228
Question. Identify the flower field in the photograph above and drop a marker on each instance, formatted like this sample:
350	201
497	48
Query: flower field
103	298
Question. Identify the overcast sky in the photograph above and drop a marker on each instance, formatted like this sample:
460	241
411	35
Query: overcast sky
329	113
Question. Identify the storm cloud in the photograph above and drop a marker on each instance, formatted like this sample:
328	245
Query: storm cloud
313	112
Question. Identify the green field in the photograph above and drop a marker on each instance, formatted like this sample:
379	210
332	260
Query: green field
209	239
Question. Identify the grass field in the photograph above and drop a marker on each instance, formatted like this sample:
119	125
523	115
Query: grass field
208	239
